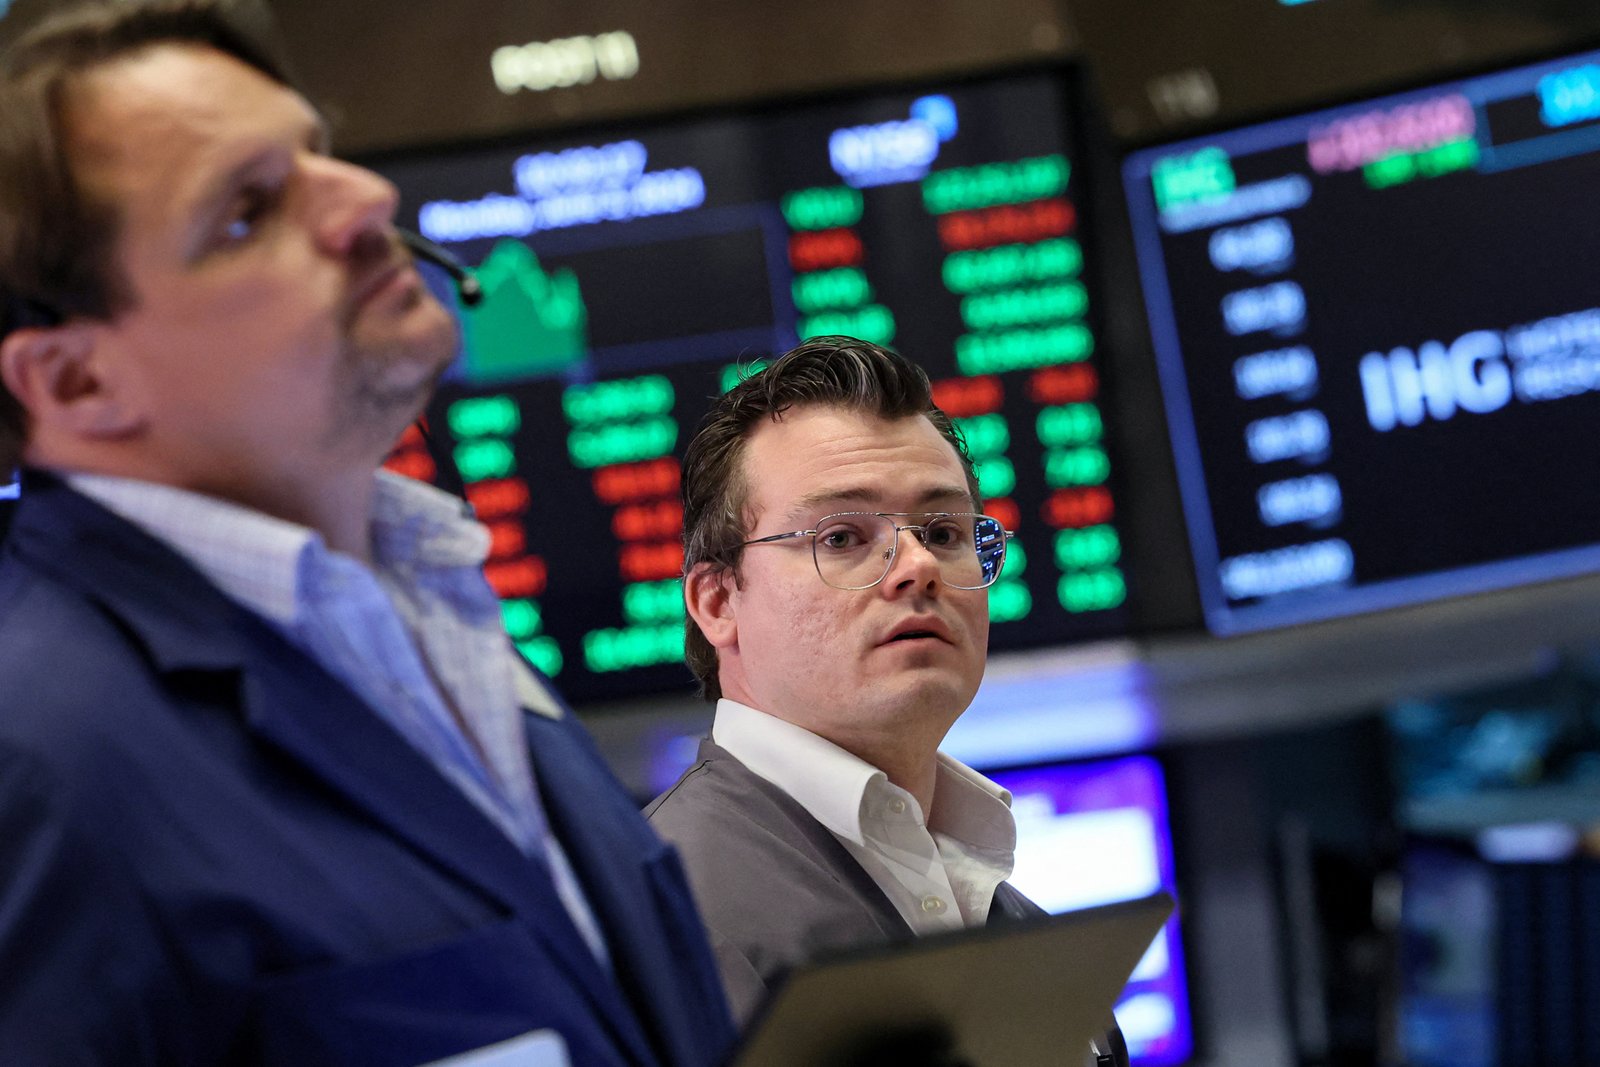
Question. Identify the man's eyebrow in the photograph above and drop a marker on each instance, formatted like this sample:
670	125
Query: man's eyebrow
215	197
219	193
863	497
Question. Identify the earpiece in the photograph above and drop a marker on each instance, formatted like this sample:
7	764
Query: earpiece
422	248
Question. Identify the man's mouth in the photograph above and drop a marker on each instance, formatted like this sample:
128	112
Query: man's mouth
924	629
380	279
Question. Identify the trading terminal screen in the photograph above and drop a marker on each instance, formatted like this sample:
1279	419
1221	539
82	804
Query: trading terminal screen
1378	333
1099	833
634	274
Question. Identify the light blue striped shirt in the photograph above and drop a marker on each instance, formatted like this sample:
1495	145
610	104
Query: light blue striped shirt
418	635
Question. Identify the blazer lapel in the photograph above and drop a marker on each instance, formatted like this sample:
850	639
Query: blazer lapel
306	713
606	853
373	766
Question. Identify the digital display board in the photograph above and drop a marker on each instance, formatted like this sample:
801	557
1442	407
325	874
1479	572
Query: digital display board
1378	334
1098	833
632	276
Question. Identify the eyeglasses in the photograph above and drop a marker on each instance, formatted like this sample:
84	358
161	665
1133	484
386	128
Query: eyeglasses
856	549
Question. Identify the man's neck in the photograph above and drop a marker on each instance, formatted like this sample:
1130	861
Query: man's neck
906	751
344	517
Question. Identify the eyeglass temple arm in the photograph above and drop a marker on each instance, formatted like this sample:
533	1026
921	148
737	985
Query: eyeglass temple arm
778	537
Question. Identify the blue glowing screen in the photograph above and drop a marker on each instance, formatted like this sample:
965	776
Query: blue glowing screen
1098	833
1378	335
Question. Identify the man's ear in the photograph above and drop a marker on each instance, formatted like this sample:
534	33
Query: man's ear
55	373
707	593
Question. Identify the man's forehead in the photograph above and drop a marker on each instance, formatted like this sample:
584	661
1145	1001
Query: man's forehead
172	98
817	457
181	75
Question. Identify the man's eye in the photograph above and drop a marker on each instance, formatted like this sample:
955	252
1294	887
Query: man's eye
253	206
945	535
839	538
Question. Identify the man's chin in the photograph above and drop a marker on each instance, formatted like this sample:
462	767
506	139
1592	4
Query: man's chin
927	694
388	390
413	357
435	336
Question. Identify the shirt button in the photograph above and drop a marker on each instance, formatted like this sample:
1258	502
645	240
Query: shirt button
897	806
932	905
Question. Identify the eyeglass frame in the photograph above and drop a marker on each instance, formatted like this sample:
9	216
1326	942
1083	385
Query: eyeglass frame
894	550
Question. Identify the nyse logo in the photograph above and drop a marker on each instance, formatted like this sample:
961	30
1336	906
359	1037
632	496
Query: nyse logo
892	152
1405	387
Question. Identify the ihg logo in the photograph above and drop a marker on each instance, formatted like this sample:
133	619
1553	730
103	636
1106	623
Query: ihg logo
1405	387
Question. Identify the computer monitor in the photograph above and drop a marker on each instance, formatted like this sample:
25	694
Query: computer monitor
1097	833
1378	335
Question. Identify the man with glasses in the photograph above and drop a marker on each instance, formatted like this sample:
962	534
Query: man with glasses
835	572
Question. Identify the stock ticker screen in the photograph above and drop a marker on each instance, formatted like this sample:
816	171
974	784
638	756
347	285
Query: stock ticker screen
633	275
1378	333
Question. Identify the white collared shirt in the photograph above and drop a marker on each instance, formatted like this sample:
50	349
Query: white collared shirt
940	872
417	635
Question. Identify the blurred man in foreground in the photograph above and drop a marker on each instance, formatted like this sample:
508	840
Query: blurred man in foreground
274	787
835	574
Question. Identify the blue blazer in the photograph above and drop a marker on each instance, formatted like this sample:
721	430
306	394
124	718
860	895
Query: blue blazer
211	852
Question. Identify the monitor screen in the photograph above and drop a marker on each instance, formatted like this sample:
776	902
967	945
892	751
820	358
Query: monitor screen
1378	333
1098	833
634	274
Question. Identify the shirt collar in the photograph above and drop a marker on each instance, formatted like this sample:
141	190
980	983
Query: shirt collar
833	785
533	694
972	809
252	557
823	778
418	524
262	562
257	559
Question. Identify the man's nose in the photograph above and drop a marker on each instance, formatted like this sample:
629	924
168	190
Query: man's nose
352	201
914	565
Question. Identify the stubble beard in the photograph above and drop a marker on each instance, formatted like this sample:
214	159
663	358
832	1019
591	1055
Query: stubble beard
384	386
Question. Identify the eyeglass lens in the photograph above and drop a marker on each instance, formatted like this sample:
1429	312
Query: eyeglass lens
856	551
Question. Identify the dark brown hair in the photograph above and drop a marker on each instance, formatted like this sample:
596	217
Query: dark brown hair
57	245
839	372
